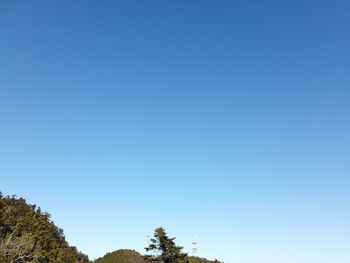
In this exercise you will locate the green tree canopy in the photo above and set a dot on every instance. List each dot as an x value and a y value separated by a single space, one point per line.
121 256
28 235
164 249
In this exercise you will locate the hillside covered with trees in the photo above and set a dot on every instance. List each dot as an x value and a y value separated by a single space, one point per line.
28 235
162 249
121 256
131 256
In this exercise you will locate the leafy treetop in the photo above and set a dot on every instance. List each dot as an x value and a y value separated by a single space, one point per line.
28 235
164 249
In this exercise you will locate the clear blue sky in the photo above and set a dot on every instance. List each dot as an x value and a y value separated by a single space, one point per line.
229 120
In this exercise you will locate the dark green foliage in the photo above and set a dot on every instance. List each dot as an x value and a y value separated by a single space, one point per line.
121 256
131 256
28 235
165 249
201 260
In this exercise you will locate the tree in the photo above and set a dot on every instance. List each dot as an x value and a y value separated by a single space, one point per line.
164 248
28 235
121 256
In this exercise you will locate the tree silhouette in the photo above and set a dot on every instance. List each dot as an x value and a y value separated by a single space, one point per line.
164 249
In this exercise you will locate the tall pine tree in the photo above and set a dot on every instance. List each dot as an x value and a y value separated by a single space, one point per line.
164 249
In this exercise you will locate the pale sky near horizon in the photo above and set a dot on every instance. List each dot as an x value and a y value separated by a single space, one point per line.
229 120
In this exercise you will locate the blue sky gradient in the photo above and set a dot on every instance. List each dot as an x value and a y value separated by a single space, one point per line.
229 120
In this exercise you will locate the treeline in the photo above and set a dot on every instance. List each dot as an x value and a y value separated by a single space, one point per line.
27 234
131 256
